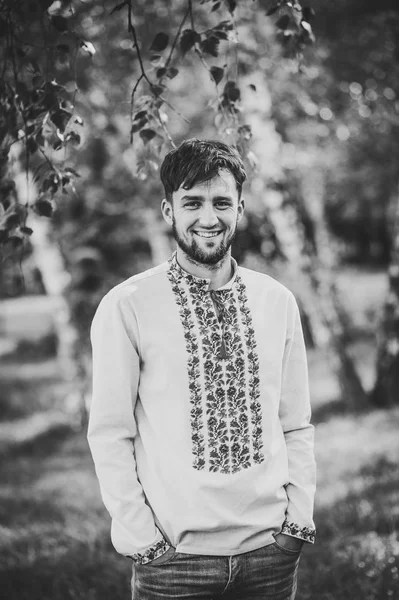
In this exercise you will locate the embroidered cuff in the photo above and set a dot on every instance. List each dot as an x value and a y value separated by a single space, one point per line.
151 553
303 533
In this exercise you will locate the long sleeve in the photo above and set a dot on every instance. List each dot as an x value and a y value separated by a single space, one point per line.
112 429
298 432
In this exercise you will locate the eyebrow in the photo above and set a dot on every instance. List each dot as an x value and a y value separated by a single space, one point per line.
201 198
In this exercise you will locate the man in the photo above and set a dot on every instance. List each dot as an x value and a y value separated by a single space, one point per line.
199 424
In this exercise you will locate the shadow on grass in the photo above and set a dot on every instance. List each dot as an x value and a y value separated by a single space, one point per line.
333 408
338 408
19 399
23 511
356 555
56 543
82 573
43 444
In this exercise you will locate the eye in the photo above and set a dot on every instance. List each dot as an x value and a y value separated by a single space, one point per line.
222 204
193 204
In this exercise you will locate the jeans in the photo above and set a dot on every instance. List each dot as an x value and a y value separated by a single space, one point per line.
269 573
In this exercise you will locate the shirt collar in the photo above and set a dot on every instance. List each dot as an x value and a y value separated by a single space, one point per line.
202 283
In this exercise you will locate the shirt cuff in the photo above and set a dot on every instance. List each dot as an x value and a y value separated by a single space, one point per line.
151 553
307 534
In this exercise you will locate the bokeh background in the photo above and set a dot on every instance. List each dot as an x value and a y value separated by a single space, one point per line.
321 217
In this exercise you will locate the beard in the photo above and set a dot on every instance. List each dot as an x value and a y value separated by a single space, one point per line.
195 253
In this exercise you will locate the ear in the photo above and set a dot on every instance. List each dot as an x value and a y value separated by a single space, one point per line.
167 211
240 209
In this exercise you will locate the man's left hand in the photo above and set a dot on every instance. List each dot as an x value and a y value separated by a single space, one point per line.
289 542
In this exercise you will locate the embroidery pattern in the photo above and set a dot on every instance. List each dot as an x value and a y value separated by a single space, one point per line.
197 436
233 417
256 411
304 533
151 553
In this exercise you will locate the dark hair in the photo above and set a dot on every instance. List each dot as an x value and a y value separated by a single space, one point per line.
196 161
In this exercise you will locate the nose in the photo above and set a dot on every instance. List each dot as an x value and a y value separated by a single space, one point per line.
208 216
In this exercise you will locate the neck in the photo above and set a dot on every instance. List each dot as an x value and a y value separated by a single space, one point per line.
219 274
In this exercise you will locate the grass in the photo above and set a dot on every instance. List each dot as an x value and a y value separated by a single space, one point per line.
54 531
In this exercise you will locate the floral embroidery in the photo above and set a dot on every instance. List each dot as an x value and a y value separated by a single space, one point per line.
304 533
254 381
223 369
197 436
151 553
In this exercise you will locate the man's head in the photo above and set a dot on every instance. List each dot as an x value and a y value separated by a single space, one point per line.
203 183
196 161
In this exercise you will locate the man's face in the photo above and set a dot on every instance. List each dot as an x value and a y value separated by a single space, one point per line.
204 218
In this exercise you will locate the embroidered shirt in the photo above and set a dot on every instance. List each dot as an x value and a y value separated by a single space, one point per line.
200 418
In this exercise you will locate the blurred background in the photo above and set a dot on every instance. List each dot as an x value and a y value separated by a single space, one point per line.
320 138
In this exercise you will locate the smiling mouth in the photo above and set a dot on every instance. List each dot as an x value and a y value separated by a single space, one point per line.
207 234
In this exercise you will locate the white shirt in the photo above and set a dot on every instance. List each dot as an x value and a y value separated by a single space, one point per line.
200 418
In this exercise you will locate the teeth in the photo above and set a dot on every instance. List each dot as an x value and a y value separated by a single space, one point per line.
207 234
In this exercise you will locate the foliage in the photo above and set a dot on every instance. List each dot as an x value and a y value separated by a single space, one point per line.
44 52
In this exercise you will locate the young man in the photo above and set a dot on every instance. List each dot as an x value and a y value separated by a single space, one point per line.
199 425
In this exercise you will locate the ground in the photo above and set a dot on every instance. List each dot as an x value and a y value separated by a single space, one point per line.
54 531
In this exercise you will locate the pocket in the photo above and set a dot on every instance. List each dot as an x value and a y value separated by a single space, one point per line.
287 551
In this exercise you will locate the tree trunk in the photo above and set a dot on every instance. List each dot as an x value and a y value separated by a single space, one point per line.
322 274
48 258
386 388
316 289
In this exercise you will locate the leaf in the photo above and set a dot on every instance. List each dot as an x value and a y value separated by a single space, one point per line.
222 35
137 125
273 8
88 47
252 87
26 230
231 91
188 38
216 6
59 22
78 120
225 25
217 74
231 5
44 208
210 45
60 118
118 7
72 172
172 72
161 72
12 221
160 41
140 115
73 137
147 135
157 89
283 22
308 13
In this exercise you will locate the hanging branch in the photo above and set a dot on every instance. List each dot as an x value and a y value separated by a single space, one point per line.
154 88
